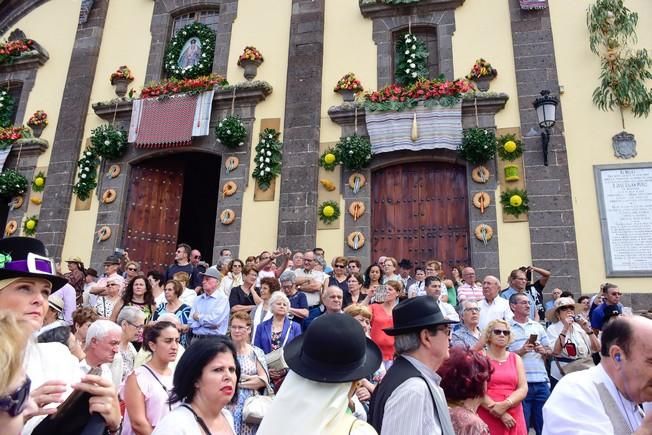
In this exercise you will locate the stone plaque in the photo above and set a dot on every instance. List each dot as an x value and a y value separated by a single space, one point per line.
625 197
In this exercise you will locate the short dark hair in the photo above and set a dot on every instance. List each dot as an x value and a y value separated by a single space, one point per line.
272 283
354 261
92 272
357 276
153 331
567 294
583 298
178 287
192 363
618 332
60 334
186 247
512 298
222 251
82 315
430 279
464 374
608 286
157 275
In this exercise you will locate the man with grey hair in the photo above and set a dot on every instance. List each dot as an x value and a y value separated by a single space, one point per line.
333 297
102 345
298 300
493 307
409 400
297 261
311 282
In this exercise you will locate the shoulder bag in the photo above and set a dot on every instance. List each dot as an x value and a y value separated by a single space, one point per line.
255 407
274 359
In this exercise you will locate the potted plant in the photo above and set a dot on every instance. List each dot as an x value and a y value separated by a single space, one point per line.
478 145
482 73
231 132
250 60
12 183
108 141
354 152
37 122
348 87
10 135
121 79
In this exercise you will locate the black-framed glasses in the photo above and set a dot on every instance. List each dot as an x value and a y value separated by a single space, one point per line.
340 266
132 269
139 327
14 403
504 332
472 309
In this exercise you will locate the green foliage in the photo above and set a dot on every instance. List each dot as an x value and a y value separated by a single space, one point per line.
86 174
353 152
624 71
478 145
6 108
29 229
268 158
329 166
204 66
513 208
411 59
506 155
109 142
39 187
231 132
12 183
335 208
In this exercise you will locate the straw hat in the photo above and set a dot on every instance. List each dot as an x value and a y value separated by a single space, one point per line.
551 314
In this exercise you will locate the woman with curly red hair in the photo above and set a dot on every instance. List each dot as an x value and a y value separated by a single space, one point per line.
464 380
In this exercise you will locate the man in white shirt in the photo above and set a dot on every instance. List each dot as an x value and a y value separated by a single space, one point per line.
311 282
607 399
433 288
493 307
102 345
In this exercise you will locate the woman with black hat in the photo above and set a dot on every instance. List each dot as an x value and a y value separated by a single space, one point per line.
325 364
76 277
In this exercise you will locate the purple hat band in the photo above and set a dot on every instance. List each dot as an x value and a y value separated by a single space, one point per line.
39 266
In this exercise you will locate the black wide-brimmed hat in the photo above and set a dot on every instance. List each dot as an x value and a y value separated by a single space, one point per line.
334 349
416 313
27 257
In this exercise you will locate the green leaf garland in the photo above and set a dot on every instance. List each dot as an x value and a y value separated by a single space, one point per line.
109 142
329 211
506 143
478 145
38 183
329 160
86 174
231 132
515 202
6 108
268 158
411 59
353 152
12 183
30 224
173 53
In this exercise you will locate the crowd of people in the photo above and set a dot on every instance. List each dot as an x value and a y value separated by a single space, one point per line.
286 343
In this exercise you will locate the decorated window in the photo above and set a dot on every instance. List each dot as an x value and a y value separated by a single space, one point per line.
428 37
209 18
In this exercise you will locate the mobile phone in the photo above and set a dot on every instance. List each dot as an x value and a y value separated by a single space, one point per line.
381 293
533 338
119 252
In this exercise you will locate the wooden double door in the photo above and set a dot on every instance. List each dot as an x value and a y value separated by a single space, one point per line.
419 212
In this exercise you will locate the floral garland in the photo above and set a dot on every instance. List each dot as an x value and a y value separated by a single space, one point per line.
11 50
478 145
122 73
29 226
108 141
432 92
329 211
328 159
510 147
6 108
38 183
10 135
353 152
268 158
173 86
412 59
201 66
515 202
87 174
12 183
38 119
250 54
349 83
481 69
231 132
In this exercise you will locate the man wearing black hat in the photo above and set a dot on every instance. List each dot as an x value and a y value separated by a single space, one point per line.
404 269
409 400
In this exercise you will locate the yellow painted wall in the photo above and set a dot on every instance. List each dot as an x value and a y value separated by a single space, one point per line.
269 32
348 47
588 131
474 39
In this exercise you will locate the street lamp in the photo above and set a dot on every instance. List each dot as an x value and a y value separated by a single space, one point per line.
546 106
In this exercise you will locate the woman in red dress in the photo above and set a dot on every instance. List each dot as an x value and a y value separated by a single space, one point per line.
382 318
501 408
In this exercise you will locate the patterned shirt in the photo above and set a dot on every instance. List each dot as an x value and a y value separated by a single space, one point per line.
463 336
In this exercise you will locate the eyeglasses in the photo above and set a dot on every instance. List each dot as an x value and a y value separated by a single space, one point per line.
501 332
139 327
340 266
14 403
198 257
523 303
615 294
237 265
132 269
239 328
445 329
473 309
112 284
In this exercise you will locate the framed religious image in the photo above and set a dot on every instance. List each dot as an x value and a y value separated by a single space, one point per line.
190 54
624 195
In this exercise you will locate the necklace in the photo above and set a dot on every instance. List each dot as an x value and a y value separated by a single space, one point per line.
498 360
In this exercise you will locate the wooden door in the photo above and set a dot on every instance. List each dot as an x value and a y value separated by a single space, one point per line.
153 210
419 212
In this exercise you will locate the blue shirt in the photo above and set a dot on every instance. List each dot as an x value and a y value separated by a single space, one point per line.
463 336
600 313
533 303
213 313
535 367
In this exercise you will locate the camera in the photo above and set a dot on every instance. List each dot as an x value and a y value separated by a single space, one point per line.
577 318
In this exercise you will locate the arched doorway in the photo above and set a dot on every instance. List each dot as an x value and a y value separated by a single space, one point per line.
419 211
172 199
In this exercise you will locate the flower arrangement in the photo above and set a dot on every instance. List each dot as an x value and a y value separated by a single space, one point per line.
250 54
38 183
231 132
6 108
190 52
412 59
514 201
432 92
353 152
349 83
509 147
10 135
481 69
12 183
178 86
122 73
109 142
86 174
268 158
478 145
11 50
329 211
328 159
29 226
38 119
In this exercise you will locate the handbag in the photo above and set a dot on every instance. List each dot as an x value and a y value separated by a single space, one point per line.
255 407
274 359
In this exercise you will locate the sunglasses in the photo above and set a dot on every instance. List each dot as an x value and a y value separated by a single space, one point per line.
132 269
501 332
340 266
14 403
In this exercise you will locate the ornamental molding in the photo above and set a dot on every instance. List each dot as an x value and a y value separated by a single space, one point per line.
379 9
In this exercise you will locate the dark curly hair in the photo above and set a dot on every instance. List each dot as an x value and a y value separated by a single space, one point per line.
128 295
464 374
272 283
367 278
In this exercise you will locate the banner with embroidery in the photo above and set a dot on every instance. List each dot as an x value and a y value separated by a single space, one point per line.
166 123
